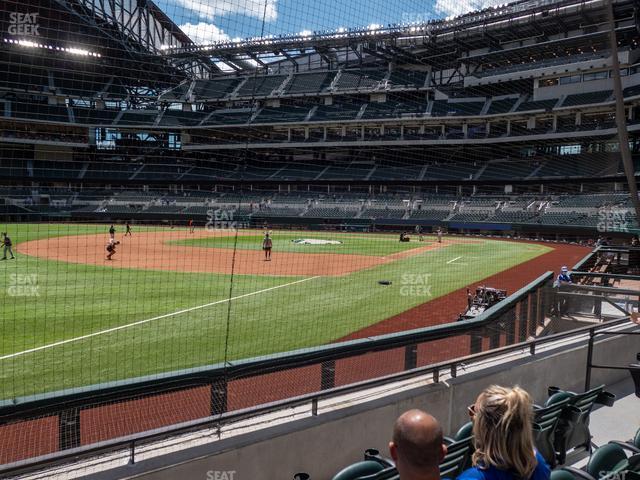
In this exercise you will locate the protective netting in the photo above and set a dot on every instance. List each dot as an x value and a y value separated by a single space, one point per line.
195 192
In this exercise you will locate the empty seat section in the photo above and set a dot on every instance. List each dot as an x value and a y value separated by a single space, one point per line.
214 89
94 117
260 86
138 117
501 106
176 118
282 114
39 111
407 78
537 105
310 82
586 98
225 117
336 112
24 77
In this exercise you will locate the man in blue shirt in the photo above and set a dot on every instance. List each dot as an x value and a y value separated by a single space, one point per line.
565 277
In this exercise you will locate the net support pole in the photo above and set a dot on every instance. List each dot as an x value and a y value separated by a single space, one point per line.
621 123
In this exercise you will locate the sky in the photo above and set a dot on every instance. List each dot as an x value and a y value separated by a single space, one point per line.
206 21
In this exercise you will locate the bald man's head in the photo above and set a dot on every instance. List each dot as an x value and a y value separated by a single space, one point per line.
417 440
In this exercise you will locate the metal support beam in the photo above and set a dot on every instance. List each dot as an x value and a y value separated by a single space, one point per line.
623 135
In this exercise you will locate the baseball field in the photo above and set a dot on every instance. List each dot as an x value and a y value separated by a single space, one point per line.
171 299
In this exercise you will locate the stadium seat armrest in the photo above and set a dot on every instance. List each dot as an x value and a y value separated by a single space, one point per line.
576 472
627 446
631 475
448 440
386 474
571 413
552 390
606 398
374 455
634 463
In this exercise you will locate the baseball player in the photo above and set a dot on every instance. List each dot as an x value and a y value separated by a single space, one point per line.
419 233
192 226
439 232
111 248
267 244
112 233
128 232
6 243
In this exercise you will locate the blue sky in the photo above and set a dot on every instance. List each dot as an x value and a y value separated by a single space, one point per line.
209 20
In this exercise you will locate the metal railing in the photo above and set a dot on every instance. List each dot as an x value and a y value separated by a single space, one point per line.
509 322
633 369
509 326
132 443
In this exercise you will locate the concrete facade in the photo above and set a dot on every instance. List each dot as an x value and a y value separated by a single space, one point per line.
322 445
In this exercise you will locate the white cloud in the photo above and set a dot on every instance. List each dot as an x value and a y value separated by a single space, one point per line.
458 7
209 9
204 33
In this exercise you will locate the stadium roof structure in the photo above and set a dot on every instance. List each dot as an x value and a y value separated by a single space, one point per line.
122 33
422 43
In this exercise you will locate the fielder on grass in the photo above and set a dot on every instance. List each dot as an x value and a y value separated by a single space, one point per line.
6 246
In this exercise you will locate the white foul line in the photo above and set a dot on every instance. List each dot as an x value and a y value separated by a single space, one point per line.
140 322
450 261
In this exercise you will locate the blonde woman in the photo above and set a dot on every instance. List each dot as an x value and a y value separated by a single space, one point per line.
503 437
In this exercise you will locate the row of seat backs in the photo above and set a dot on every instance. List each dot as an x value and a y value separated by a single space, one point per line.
610 458
608 462
562 423
376 467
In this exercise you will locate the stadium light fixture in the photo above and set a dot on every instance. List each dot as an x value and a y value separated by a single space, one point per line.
71 50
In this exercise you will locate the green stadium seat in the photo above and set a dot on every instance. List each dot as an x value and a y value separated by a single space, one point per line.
464 432
573 433
457 459
374 455
632 446
545 423
562 474
609 462
359 471
376 467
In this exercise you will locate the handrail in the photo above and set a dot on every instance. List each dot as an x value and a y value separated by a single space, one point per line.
593 332
85 396
619 276
586 259
132 441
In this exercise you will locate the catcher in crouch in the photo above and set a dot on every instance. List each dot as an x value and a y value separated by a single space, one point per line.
111 248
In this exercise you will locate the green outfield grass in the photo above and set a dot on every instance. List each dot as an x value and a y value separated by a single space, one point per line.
273 314
352 243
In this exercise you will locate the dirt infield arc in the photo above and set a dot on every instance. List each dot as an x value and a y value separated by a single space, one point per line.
154 251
